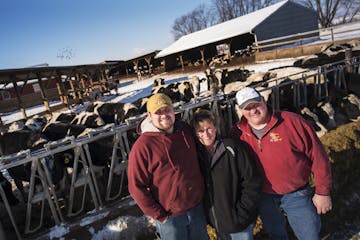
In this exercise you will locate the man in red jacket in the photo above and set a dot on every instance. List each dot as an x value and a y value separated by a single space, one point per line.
288 151
164 174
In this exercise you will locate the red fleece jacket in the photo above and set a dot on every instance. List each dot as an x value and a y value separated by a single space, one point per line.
288 152
164 174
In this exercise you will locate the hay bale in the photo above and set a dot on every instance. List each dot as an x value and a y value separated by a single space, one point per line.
343 147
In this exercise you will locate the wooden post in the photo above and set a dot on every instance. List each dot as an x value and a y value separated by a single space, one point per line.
83 84
43 95
72 86
256 42
202 52
65 93
136 64
181 62
348 56
148 61
77 86
229 52
20 103
61 90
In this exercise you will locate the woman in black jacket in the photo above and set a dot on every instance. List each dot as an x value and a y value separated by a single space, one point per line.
233 184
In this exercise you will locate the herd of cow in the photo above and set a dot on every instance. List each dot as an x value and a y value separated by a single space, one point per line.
337 108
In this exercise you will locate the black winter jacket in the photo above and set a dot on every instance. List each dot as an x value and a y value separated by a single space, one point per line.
233 186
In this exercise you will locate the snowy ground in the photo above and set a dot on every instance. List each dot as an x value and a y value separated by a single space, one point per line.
125 227
130 90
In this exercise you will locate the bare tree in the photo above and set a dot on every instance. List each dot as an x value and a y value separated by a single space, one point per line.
334 11
349 11
65 53
229 9
196 20
329 12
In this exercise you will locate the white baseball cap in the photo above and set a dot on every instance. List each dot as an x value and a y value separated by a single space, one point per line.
246 96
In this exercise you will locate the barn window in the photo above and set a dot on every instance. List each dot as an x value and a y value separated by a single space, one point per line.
36 87
223 49
5 95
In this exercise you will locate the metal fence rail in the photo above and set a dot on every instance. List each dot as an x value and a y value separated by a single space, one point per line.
334 33
117 165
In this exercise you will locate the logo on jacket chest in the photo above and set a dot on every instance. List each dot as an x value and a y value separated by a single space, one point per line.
275 137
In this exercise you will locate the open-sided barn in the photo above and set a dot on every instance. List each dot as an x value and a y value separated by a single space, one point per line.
228 38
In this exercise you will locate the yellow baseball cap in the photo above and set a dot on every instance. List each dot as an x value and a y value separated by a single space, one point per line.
157 101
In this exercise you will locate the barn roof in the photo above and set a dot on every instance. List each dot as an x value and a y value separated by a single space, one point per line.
23 74
221 31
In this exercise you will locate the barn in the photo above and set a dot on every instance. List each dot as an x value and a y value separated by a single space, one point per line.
25 87
234 36
143 65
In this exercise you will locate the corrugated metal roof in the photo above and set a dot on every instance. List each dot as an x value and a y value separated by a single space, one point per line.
221 31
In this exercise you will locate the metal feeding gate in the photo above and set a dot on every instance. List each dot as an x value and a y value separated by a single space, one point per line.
83 172
79 183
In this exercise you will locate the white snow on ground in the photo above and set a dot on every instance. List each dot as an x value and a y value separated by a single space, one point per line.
125 227
10 117
58 231
128 227
132 89
87 220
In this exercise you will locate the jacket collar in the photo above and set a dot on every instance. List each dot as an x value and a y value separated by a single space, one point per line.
219 151
246 128
145 125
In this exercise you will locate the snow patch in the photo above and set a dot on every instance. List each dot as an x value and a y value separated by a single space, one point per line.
58 232
88 220
126 227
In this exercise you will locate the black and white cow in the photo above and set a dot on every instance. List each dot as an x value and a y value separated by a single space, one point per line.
64 117
6 185
313 119
88 119
159 82
172 90
140 104
16 141
221 77
113 112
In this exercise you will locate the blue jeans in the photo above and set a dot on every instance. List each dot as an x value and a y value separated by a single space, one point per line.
299 209
246 234
189 226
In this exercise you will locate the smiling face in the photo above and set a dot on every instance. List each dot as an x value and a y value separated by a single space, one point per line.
163 119
256 114
206 133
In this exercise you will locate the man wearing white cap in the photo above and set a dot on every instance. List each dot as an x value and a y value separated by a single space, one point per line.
288 152
164 173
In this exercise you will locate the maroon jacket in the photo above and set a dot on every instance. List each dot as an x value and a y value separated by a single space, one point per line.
288 152
164 174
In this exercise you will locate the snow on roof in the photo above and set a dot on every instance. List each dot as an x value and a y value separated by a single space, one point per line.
225 30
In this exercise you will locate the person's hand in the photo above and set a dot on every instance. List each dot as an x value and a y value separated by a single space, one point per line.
165 220
322 203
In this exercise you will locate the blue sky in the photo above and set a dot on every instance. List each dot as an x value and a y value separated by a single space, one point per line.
37 31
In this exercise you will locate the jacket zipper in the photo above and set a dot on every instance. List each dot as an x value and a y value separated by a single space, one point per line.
259 144
259 139
214 216
211 193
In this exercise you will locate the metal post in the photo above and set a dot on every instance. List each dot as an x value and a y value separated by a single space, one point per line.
7 206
